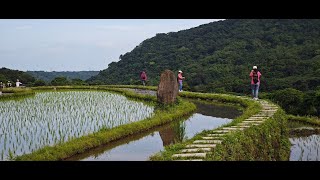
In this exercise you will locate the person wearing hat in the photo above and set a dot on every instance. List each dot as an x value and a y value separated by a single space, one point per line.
180 78
255 76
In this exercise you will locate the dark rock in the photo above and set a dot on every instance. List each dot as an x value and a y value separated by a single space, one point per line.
167 88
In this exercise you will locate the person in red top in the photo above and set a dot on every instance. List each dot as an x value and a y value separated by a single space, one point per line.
143 77
255 82
180 78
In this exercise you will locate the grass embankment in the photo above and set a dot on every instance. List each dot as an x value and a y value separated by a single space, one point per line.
305 120
162 115
303 126
154 88
14 93
268 141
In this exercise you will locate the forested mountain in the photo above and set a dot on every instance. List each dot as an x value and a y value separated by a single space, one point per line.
218 56
49 76
12 75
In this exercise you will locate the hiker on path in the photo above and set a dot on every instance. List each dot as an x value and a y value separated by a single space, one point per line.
143 77
255 76
180 78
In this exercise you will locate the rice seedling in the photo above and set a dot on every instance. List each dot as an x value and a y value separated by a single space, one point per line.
56 117
305 148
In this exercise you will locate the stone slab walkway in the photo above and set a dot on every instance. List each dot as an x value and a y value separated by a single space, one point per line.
198 150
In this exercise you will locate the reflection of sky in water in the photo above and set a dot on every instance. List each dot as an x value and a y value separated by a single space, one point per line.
305 148
198 122
139 150
142 149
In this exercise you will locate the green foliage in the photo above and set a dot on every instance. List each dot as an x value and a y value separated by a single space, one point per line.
218 57
49 76
78 82
266 142
16 93
297 102
60 81
251 107
290 99
12 75
304 119
39 82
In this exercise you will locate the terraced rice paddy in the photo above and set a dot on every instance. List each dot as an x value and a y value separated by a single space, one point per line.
53 117
305 148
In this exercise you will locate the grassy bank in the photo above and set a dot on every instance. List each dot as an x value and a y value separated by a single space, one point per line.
305 120
251 107
268 141
162 115
16 93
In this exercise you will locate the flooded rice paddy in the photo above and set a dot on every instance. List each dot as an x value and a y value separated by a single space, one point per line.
50 118
141 146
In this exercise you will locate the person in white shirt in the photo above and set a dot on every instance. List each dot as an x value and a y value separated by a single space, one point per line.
18 83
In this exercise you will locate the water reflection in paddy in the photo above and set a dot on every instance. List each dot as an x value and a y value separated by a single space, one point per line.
141 146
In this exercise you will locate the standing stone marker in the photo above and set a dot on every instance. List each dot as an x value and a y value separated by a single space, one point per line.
167 88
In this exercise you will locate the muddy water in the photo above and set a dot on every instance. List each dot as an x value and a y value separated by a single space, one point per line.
140 147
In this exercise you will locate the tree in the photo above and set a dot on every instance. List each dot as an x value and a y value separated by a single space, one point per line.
39 82
289 99
60 81
78 82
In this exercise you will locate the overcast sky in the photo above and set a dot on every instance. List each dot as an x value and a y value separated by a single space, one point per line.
77 44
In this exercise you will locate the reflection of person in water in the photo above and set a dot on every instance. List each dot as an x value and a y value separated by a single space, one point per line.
174 133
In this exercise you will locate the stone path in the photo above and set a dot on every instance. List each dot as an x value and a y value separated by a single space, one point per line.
199 148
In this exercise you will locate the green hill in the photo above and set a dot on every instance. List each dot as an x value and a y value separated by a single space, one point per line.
12 75
218 56
49 76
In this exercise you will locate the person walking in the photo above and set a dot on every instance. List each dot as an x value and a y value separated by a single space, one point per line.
180 78
1 87
143 77
255 76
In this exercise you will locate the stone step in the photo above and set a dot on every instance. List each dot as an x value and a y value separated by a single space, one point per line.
213 137
251 124
196 150
259 115
207 141
270 106
201 146
256 117
260 119
268 114
221 131
233 129
203 155
252 121
268 110
216 135
240 126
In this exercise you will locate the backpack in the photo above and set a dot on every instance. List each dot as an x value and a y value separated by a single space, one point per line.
255 77
143 76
